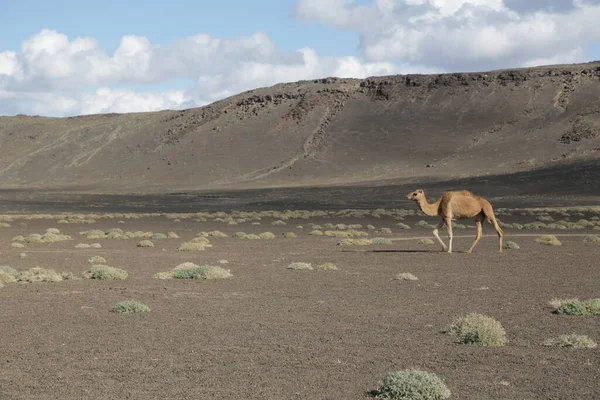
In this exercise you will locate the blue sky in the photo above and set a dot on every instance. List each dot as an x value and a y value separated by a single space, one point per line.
163 22
67 57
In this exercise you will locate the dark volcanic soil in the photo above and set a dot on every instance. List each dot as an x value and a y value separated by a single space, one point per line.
273 333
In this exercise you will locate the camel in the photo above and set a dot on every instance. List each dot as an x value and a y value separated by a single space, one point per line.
457 205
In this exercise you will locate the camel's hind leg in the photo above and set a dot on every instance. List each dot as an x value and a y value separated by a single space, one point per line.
479 222
500 234
449 226
437 234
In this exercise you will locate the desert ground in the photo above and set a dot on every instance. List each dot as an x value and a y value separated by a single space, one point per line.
270 332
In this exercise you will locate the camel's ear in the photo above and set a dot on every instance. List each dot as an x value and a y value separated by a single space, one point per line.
420 190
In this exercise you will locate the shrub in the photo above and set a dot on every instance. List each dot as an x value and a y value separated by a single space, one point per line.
4 225
413 384
172 235
385 231
380 240
402 225
96 260
201 240
370 227
426 241
591 239
278 222
424 224
405 276
478 330
187 271
549 240
355 242
316 233
510 245
38 274
239 235
267 236
289 235
17 245
104 272
145 243
300 266
156 236
327 267
8 274
18 238
571 340
130 306
578 307
189 246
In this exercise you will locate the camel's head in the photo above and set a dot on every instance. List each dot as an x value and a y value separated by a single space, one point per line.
416 195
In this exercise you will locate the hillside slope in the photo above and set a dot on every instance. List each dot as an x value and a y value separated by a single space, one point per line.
326 132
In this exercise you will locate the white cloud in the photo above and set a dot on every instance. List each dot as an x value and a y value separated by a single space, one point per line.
55 75
464 35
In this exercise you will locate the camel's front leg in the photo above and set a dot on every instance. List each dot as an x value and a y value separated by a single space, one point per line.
449 225
437 235
479 222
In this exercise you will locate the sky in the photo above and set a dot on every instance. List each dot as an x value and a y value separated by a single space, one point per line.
74 57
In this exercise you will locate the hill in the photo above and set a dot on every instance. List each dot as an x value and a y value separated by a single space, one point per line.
391 130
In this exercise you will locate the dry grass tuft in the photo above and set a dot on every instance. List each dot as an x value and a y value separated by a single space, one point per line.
549 240
327 267
189 246
289 235
96 260
355 242
145 243
300 266
405 276
38 274
426 241
267 236
592 239
571 340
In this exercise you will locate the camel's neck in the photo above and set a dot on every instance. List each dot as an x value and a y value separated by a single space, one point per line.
428 209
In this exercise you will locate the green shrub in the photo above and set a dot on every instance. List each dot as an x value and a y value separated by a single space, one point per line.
267 236
578 307
381 241
426 241
96 260
130 306
413 385
510 245
402 225
478 330
187 271
145 243
316 233
289 235
157 236
384 231
104 272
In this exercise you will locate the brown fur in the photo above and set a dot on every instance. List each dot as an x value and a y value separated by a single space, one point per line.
456 205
